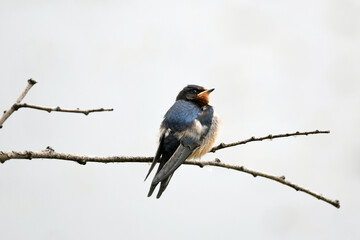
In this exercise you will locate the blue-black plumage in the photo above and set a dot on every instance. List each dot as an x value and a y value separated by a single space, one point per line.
189 130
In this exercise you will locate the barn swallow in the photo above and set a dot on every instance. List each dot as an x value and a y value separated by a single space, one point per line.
189 130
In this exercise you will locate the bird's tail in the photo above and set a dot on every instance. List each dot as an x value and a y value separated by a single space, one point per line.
163 185
152 188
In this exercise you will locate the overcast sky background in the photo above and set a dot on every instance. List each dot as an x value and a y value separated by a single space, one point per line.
277 67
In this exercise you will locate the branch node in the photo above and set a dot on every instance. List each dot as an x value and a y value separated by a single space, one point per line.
15 106
49 149
217 160
2 160
32 81
282 177
200 164
57 108
82 162
29 155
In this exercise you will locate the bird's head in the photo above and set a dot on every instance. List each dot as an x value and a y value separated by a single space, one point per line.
195 93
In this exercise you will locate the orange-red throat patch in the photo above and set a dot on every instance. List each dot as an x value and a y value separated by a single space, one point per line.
204 96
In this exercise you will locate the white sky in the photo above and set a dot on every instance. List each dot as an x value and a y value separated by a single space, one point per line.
277 66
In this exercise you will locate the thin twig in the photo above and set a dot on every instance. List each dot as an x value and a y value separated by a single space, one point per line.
17 105
58 109
281 179
7 114
270 137
49 153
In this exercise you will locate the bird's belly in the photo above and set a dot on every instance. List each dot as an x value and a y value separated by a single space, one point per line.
209 141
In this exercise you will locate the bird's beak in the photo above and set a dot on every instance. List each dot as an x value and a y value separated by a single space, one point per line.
210 90
206 92
204 95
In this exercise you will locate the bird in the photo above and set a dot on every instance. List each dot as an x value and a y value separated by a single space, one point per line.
189 130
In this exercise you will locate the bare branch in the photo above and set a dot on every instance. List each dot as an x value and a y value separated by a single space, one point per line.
281 179
8 113
17 105
270 137
49 153
58 109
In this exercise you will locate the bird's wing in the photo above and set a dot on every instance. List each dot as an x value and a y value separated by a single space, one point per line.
190 139
178 118
180 155
157 155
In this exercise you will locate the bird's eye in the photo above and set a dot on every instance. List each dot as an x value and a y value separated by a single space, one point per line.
195 91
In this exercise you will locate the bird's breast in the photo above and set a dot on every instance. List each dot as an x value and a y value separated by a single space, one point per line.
209 139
